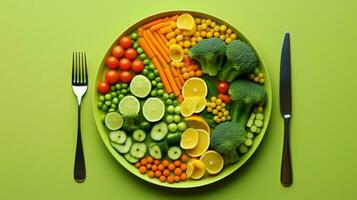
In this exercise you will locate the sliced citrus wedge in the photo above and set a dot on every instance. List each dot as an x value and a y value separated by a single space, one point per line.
189 139
199 169
185 22
198 122
176 52
201 104
188 107
213 161
202 145
194 87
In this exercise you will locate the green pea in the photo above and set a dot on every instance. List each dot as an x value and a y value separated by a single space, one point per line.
253 129
113 94
258 123
160 92
101 98
108 103
243 149
151 76
165 96
135 45
153 93
112 88
250 135
175 103
108 97
118 92
248 142
115 100
134 36
105 108
113 105
151 66
121 96
124 91
158 79
168 101
259 116
142 56
153 83
177 118
139 50
172 96
156 72
100 104
159 85
145 72
111 110
146 61
118 86
256 71
124 85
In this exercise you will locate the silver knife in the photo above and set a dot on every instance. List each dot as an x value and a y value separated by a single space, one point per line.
286 177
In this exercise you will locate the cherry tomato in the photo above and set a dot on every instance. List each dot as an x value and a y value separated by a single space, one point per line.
130 54
112 76
137 66
118 51
112 62
222 87
103 87
125 42
225 98
125 76
124 64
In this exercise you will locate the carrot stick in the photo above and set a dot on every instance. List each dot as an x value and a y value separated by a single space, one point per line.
163 38
186 61
165 19
162 43
163 77
158 26
182 81
140 31
162 61
178 83
150 43
146 47
180 98
174 18
150 24
157 46
165 29
174 72
172 81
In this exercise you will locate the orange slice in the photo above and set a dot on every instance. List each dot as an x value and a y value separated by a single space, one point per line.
176 52
194 87
202 145
188 107
189 139
213 161
198 122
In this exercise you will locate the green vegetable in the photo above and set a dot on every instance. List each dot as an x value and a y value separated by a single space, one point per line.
211 83
101 98
231 157
139 135
145 125
118 137
174 152
123 148
142 56
245 95
173 138
210 53
130 158
138 150
131 123
139 50
241 59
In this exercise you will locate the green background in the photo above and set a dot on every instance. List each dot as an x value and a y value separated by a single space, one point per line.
38 120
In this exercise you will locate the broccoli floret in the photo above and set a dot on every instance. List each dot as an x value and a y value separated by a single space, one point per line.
241 59
134 122
245 94
227 137
210 53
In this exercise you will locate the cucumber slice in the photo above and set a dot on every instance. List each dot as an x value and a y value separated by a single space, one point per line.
118 137
138 150
140 86
130 158
158 150
159 131
113 121
122 148
139 135
174 152
173 139
129 105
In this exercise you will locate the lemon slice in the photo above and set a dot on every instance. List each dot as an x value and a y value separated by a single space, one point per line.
194 87
189 139
188 107
198 122
202 145
201 104
213 161
189 169
199 169
185 22
176 52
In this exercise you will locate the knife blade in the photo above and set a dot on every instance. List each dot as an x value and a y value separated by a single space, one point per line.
285 109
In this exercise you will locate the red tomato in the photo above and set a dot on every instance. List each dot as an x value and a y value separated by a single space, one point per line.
225 98
124 64
137 66
222 87
118 51
112 76
112 62
125 42
103 87
130 54
125 76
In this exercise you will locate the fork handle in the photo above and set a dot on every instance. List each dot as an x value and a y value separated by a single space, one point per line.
79 163
286 177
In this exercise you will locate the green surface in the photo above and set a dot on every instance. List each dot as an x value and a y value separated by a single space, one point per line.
38 118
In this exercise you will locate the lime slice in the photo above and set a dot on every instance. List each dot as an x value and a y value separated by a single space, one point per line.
153 109
140 86
129 105
113 121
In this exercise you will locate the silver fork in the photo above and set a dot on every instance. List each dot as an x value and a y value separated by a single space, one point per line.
79 86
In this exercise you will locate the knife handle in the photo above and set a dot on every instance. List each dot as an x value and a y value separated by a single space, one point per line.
286 176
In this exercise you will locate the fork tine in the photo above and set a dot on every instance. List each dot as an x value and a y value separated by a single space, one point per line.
82 69
73 75
86 69
77 68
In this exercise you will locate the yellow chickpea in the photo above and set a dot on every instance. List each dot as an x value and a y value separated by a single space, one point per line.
223 28
173 25
208 22
209 35
179 37
215 118
187 44
170 35
216 28
213 24
173 64
229 31
204 26
197 33
214 111
262 81
193 43
223 105
219 108
213 104
180 43
168 44
229 118
208 29
197 20
261 75
203 21
187 38
199 39
227 35
209 109
178 31
223 119
256 79
222 37
225 113
223 110
228 40
233 36
199 27
214 99
203 34
193 39
216 34
220 114
218 120
173 41
219 101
